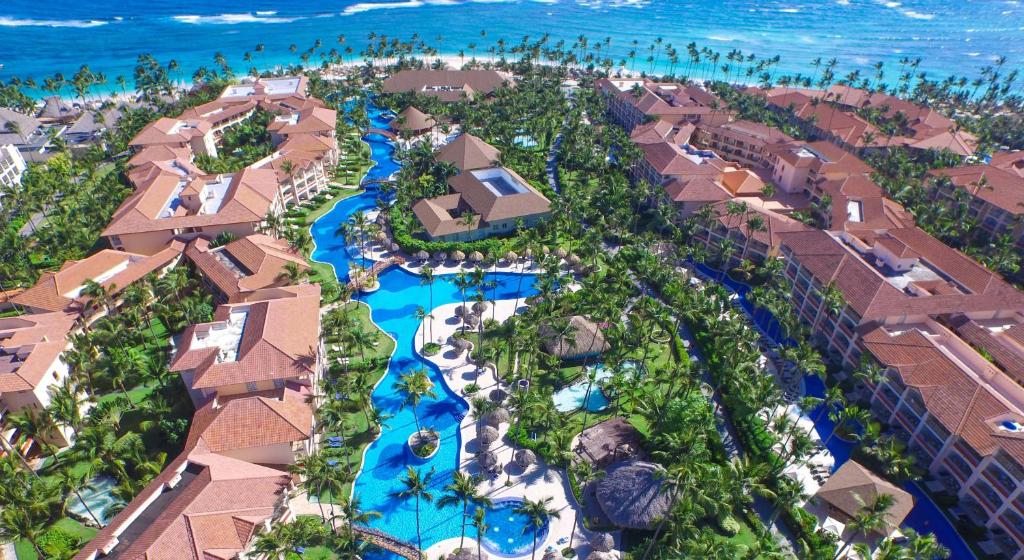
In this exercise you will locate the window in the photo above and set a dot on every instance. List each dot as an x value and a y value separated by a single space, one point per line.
251 387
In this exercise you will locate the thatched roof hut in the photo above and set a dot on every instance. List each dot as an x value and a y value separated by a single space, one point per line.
497 416
528 252
583 339
458 255
853 485
462 344
511 256
479 307
422 255
545 250
602 542
471 320
487 434
476 256
612 440
413 120
488 460
601 555
524 458
460 310
560 253
395 247
440 256
380 236
574 259
631 495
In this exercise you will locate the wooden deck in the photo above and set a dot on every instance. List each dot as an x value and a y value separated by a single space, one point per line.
383 540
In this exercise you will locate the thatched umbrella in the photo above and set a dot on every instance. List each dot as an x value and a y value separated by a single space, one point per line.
574 259
395 247
461 344
476 256
560 253
631 495
497 416
471 320
524 458
511 256
488 460
545 250
440 256
602 542
422 255
600 555
458 255
479 307
487 434
467 553
498 395
553 555
528 252
579 268
460 310
380 236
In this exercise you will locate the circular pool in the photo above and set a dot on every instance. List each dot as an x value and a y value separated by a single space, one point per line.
509 533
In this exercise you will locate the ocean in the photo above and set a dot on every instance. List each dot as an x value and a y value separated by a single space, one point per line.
38 38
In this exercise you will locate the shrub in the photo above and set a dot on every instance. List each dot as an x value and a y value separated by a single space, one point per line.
729 525
430 349
57 542
471 389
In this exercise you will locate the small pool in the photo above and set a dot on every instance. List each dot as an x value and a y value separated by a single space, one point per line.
510 533
572 397
99 496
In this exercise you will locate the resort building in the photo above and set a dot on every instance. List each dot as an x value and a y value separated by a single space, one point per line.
27 134
174 202
833 116
659 131
195 135
30 363
114 271
447 85
961 414
664 162
303 164
234 271
581 340
851 488
856 203
753 232
203 505
611 441
314 121
12 167
269 339
845 282
412 122
745 142
632 102
486 199
88 129
57 111
994 192
797 166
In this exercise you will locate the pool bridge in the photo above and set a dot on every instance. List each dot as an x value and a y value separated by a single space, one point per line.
356 282
387 133
380 539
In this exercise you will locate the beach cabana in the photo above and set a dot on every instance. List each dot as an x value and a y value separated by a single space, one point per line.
525 457
468 553
487 460
853 486
413 121
487 434
631 495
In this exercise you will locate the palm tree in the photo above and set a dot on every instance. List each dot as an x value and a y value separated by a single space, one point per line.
463 490
539 513
427 279
72 483
585 473
354 514
924 546
870 517
22 523
481 526
417 486
415 385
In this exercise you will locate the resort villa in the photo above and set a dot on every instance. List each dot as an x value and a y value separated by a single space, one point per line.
995 192
234 271
267 341
447 85
838 502
30 363
486 199
754 231
412 122
12 167
745 142
632 102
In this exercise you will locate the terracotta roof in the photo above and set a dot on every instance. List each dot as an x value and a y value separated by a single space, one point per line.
54 291
279 340
251 420
413 119
774 224
698 189
29 345
170 132
1009 161
852 486
310 121
825 158
250 263
443 215
218 111
999 187
662 131
469 152
668 159
446 85
492 206
875 210
753 131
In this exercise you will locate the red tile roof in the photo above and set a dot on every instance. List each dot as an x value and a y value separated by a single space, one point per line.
252 420
29 346
1001 188
253 262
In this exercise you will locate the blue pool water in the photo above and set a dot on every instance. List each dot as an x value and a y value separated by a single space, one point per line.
510 533
98 496
393 308
574 397
925 517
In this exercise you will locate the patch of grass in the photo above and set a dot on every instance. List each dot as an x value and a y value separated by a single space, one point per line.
24 551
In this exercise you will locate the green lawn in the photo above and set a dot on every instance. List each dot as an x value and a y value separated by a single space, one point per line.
24 549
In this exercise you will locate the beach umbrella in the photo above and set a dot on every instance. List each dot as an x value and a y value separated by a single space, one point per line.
545 250
511 256
395 247
468 553
471 320
579 269
458 255
381 236
487 434
560 253
461 344
600 555
422 255
476 256
528 252
496 416
440 256
574 259
479 307
488 460
460 310
602 542
524 458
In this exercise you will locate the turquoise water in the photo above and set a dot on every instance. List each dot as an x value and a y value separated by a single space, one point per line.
393 308
952 37
510 533
575 397
99 497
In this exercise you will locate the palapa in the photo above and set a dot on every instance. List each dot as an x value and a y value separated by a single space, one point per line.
525 457
487 434
476 256
488 460
511 256
600 555
467 553
422 255
479 307
458 255
560 253
603 542
631 495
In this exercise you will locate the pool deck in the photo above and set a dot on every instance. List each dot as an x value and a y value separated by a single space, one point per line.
537 481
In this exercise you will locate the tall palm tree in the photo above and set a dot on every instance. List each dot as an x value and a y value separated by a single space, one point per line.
463 490
21 523
539 513
870 517
354 514
416 487
415 385
585 473
481 526
427 274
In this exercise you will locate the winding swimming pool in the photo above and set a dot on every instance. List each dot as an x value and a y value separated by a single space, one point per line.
393 308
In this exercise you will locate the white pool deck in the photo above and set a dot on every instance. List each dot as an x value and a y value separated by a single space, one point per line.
537 481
